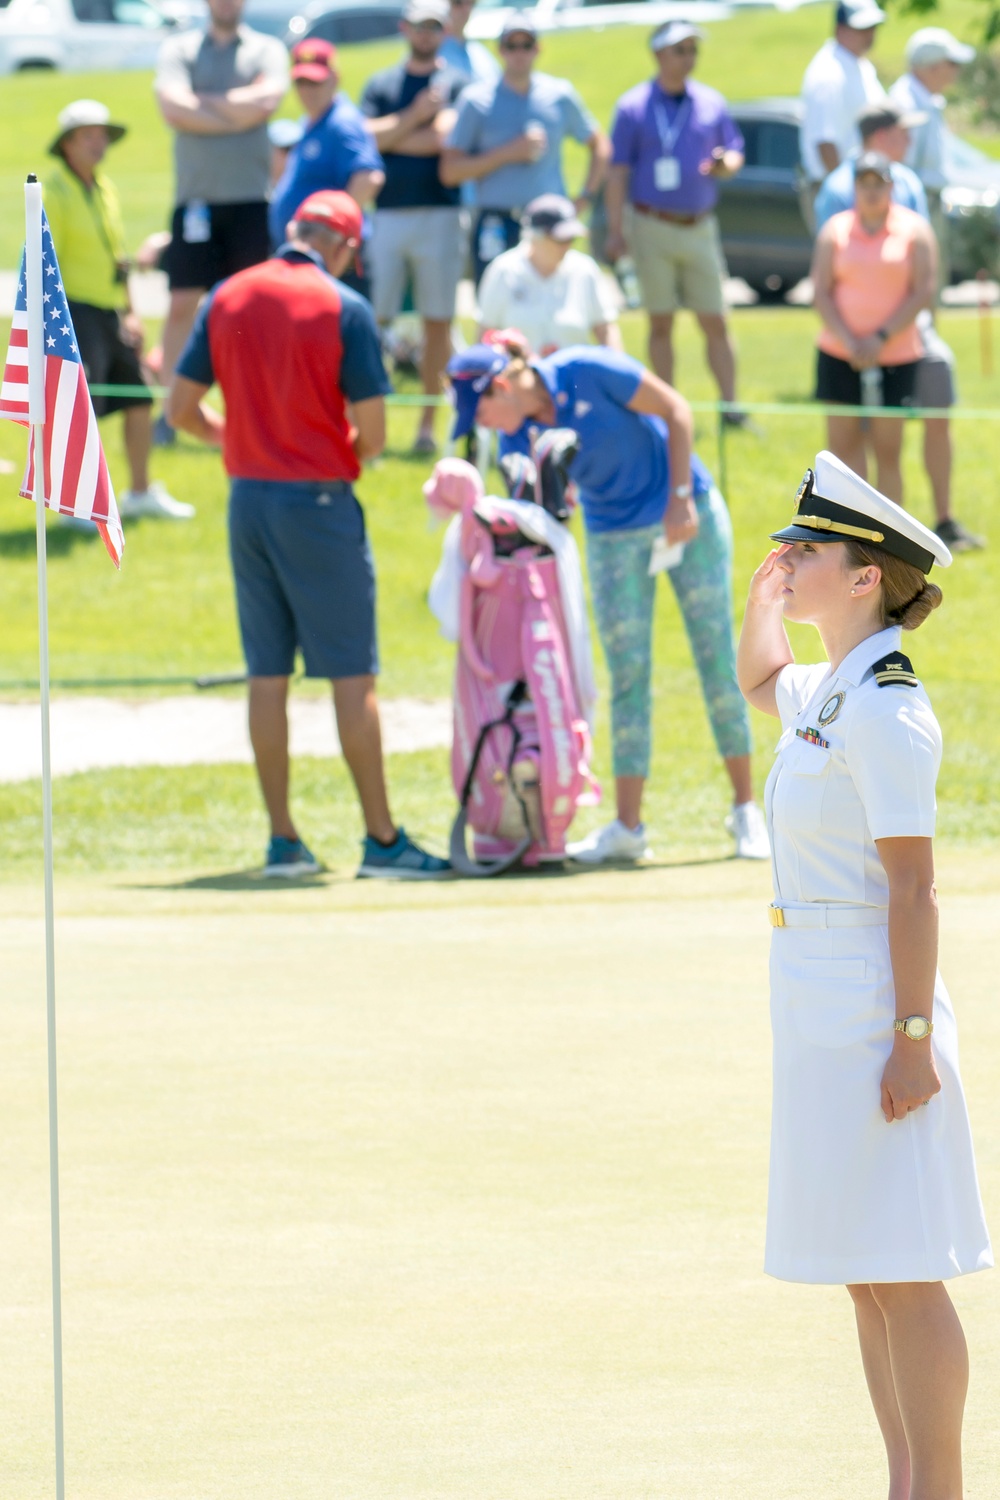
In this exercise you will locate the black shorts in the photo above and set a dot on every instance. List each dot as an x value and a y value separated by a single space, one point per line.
107 359
238 238
838 381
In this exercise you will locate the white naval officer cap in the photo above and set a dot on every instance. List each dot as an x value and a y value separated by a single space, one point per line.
834 503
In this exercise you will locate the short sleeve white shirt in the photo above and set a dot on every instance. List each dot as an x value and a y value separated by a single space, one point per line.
835 87
928 151
553 312
856 762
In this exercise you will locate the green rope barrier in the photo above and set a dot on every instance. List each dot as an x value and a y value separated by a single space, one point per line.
751 408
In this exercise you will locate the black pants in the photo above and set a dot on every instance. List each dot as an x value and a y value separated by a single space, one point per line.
495 230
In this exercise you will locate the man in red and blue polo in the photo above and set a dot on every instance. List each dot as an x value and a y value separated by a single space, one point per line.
296 355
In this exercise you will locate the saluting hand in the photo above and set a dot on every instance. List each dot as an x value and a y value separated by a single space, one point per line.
768 581
910 1078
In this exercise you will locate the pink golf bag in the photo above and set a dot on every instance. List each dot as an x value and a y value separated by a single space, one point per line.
509 589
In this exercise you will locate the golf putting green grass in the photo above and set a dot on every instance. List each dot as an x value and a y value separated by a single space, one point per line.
433 1193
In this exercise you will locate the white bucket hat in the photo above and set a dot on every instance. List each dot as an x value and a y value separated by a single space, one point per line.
84 112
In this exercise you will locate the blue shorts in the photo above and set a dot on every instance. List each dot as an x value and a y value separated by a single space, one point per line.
304 578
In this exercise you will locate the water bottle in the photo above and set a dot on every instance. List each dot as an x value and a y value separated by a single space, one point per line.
492 240
871 386
628 280
196 228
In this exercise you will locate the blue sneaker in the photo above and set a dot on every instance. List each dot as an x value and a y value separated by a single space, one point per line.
403 860
289 858
164 435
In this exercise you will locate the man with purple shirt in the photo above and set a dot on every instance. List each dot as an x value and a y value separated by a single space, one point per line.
673 140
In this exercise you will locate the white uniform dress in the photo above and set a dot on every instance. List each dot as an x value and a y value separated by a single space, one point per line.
853 1198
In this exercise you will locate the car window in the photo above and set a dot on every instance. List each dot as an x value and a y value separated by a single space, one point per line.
93 10
136 13
771 144
343 27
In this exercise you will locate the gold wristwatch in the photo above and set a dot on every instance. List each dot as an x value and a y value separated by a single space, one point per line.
915 1027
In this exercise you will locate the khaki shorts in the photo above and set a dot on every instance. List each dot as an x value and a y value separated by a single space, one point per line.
679 265
422 244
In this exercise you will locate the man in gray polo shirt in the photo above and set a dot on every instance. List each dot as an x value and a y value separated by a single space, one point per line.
508 138
216 89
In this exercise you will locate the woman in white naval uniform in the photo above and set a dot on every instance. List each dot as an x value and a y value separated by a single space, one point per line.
868 1187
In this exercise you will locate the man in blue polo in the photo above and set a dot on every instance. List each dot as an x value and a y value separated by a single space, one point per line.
335 151
673 142
296 354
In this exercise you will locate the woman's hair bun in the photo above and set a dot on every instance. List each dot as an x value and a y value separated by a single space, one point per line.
919 607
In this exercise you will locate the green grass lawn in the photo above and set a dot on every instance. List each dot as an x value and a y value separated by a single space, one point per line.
169 614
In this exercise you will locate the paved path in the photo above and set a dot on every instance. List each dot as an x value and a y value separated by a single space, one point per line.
90 733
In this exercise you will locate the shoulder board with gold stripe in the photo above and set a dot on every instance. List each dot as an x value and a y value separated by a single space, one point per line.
897 669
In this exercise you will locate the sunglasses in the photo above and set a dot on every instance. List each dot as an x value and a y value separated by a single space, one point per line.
684 51
518 46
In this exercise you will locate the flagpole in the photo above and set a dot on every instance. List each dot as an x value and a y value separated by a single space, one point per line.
36 419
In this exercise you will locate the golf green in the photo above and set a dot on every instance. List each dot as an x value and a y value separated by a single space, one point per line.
433 1193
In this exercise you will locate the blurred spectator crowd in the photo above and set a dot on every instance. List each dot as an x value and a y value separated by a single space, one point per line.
455 158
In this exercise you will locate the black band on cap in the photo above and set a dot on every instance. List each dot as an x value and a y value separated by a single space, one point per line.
811 504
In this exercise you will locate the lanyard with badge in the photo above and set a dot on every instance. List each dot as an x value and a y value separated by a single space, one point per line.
666 168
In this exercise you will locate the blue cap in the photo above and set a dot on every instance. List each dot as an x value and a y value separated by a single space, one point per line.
470 373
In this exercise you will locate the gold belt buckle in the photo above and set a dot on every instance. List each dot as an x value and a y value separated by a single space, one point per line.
776 915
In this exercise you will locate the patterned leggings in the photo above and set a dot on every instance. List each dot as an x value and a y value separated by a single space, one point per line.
624 594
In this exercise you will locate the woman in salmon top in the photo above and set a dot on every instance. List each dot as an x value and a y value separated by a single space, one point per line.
874 269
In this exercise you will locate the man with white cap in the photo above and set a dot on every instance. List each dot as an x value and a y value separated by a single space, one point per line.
82 209
838 83
934 59
673 140
416 234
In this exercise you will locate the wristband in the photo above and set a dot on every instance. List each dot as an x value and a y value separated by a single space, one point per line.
682 491
882 334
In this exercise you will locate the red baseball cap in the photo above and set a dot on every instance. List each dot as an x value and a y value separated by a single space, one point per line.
314 59
337 210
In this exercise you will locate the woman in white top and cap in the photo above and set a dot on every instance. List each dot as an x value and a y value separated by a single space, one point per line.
873 1179
552 293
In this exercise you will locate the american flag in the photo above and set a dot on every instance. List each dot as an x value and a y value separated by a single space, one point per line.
77 482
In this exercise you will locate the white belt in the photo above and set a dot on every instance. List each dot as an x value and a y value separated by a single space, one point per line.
817 915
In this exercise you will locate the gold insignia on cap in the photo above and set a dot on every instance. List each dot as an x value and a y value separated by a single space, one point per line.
805 488
823 523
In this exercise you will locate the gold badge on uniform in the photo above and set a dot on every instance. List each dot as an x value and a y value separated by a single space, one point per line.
831 708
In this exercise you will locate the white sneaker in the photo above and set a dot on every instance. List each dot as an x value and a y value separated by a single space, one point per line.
749 831
612 843
154 501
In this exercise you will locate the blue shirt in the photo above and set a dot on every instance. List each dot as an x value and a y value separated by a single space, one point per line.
490 114
837 192
622 469
475 63
332 149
